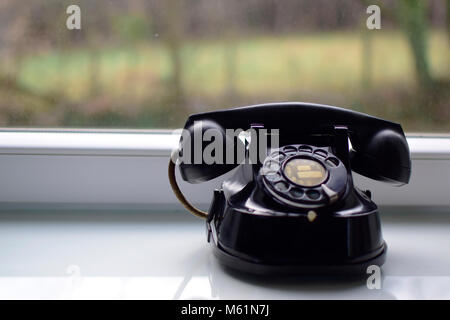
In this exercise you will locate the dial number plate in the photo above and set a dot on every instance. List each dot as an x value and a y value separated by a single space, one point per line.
305 172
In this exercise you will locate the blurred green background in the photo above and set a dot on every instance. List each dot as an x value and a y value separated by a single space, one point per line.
148 64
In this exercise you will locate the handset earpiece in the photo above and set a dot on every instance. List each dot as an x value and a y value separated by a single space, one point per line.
206 151
384 156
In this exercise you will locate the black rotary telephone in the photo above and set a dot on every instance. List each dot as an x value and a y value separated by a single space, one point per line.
294 208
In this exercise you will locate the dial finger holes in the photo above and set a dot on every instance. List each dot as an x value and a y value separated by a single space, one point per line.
296 193
313 194
281 186
332 162
272 165
278 156
320 153
290 149
272 176
305 149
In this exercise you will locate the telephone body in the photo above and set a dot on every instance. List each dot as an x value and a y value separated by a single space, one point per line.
297 211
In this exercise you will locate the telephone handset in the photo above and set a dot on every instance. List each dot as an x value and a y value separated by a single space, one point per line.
290 205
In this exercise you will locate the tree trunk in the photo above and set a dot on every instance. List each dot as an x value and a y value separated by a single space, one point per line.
412 14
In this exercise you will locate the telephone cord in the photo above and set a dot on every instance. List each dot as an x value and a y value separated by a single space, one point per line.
176 189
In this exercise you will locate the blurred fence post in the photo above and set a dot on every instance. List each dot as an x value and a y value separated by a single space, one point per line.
366 58
230 66
174 45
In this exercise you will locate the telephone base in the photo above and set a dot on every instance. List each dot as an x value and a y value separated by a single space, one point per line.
357 268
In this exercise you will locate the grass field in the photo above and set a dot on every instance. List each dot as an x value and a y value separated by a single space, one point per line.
271 67
330 61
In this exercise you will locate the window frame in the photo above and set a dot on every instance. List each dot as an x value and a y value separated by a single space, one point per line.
92 169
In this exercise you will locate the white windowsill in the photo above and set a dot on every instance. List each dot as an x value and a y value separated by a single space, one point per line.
162 256
133 255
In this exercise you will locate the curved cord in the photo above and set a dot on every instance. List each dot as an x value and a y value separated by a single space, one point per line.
176 189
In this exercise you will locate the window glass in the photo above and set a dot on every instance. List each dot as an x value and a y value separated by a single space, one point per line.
150 63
